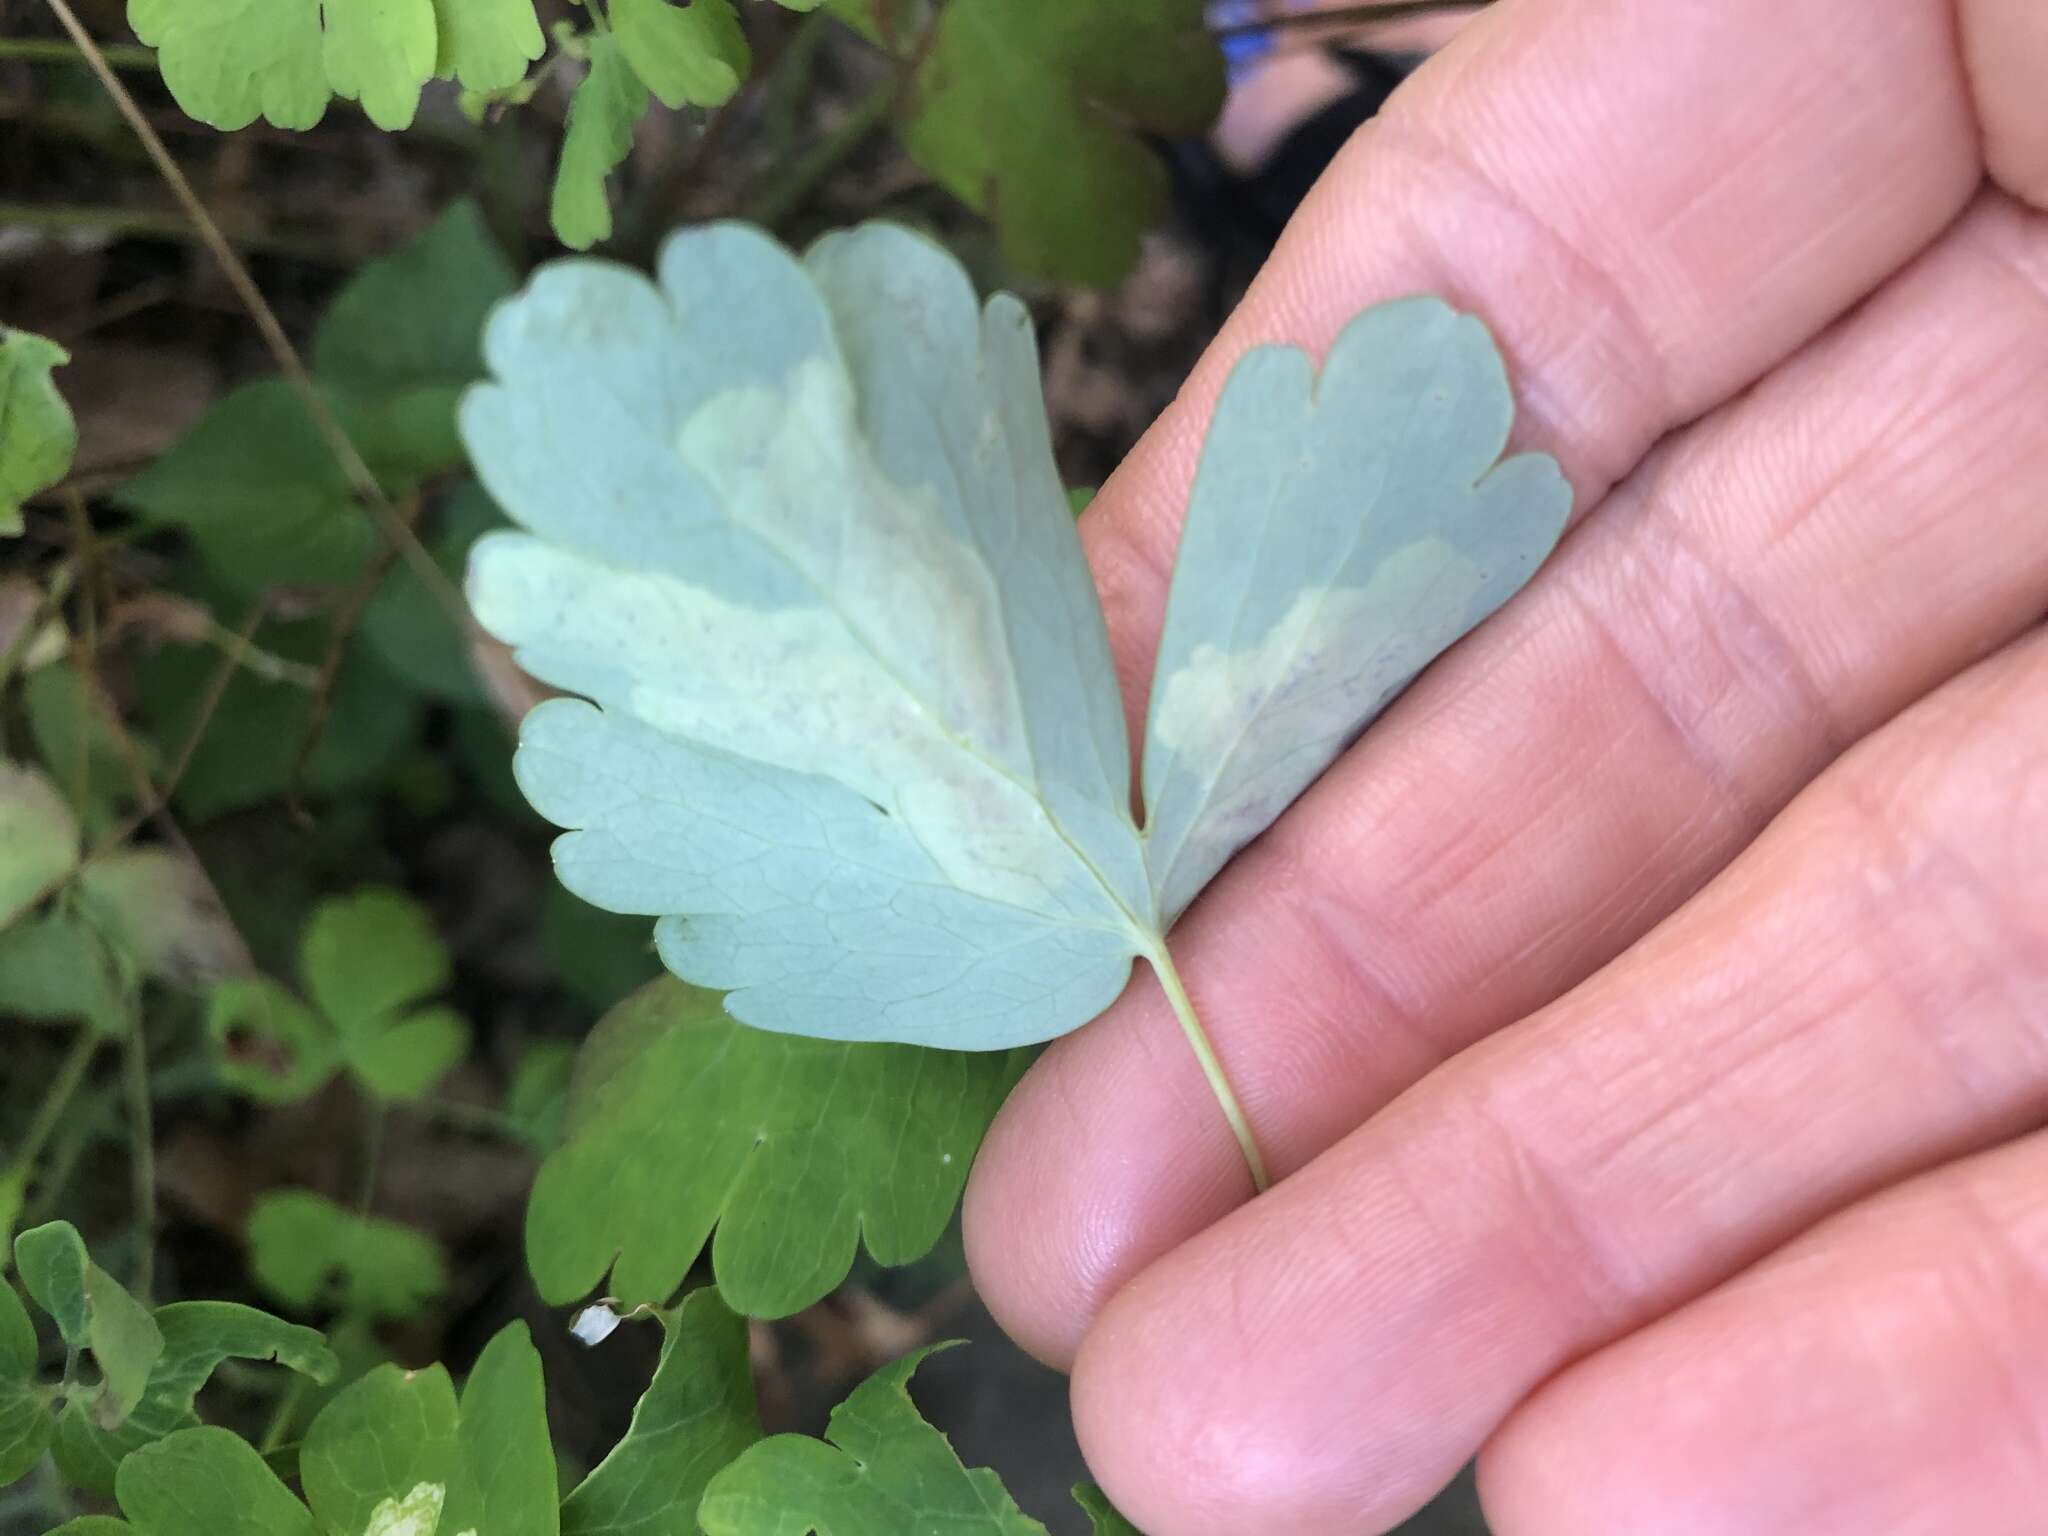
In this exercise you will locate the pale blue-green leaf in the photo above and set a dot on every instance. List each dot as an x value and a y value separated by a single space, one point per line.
906 810
695 1417
1344 530
505 1473
885 1472
380 1456
198 1336
208 1482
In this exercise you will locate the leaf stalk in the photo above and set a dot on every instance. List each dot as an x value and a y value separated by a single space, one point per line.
1212 1067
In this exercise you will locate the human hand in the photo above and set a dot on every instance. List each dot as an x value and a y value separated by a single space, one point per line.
1649 1018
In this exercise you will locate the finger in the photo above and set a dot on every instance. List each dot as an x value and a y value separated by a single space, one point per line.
1863 994
2005 47
1650 210
1648 205
1887 1374
1782 578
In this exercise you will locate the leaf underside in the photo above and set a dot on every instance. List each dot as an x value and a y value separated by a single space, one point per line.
848 725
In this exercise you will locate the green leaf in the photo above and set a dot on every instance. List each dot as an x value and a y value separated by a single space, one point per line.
256 489
228 62
885 1472
93 1312
25 1419
537 1098
266 1043
78 737
695 1417
38 839
1031 111
888 800
599 955
309 1253
608 102
1102 1516
37 433
505 1483
198 1336
383 1453
368 959
406 628
207 1482
796 1150
157 908
56 968
93 1525
369 955
252 738
1345 529
690 55
486 44
380 52
888 797
401 338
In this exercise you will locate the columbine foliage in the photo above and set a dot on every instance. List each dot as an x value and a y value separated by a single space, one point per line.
1029 111
864 758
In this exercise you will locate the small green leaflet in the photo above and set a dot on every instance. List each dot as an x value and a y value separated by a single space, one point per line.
848 724
796 1150
885 1472
197 1337
308 1252
228 62
1031 111
370 963
609 100
37 433
92 1311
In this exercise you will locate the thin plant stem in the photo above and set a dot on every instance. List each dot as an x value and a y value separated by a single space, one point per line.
50 50
142 1153
1198 1039
50 1113
279 1428
811 170
290 364
373 1156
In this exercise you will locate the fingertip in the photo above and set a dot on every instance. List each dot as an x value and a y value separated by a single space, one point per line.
1106 1155
2005 52
1015 1252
